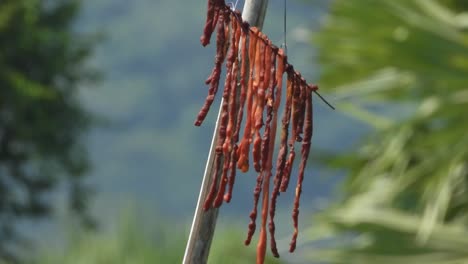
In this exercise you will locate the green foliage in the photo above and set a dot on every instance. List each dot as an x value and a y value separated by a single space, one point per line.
137 243
365 230
42 62
407 188
228 247
129 242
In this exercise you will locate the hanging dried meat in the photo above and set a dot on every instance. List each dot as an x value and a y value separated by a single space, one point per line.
252 96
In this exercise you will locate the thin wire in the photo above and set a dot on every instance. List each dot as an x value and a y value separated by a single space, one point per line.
324 100
285 46
284 28
233 5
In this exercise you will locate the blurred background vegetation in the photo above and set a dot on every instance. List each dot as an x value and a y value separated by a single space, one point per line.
402 68
98 97
42 64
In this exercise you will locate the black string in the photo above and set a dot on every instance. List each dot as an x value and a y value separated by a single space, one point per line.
324 100
284 28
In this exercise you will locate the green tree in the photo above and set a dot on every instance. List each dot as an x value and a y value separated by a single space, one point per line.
401 67
42 64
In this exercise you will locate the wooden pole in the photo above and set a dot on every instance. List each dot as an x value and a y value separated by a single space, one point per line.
204 223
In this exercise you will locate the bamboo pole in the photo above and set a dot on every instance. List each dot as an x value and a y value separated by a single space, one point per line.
204 223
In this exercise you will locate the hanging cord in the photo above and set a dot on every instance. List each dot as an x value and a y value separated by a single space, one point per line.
285 47
324 100
233 5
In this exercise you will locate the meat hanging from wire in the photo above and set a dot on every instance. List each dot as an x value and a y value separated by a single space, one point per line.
252 95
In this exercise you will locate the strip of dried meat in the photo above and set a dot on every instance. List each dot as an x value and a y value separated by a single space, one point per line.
222 129
209 25
229 96
308 127
244 146
216 73
277 181
234 108
268 146
283 163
